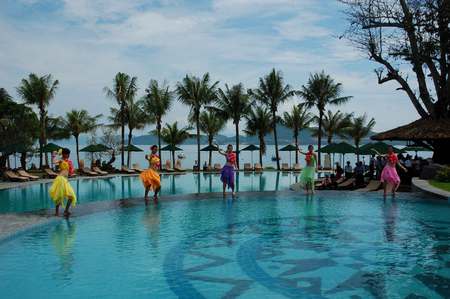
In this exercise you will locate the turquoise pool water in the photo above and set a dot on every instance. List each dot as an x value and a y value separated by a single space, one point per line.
35 197
335 245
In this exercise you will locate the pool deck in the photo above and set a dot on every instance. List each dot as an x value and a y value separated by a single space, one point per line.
425 186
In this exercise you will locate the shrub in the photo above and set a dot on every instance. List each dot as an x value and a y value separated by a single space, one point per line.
443 175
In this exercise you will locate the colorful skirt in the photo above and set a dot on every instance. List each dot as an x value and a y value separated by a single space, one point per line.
151 179
60 190
227 176
307 176
389 175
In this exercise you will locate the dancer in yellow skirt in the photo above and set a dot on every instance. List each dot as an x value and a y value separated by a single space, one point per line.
150 177
61 189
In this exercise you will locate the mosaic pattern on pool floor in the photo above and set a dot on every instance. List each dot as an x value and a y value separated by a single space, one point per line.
309 258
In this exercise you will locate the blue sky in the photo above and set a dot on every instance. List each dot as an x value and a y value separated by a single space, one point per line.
84 43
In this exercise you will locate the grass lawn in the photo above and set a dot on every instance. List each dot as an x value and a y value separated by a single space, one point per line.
440 185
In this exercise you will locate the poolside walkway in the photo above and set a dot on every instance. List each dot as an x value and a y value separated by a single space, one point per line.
425 186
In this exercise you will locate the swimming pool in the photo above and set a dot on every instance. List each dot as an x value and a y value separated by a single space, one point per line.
335 245
35 197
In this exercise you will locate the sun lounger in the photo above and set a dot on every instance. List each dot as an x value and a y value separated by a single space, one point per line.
167 166
126 170
217 167
136 167
88 172
50 173
258 167
373 185
99 171
248 167
297 167
25 174
348 184
285 167
178 167
13 177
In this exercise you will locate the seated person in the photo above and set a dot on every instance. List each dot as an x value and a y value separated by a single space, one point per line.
326 182
338 171
348 170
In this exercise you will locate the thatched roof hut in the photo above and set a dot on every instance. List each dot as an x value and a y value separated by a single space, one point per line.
426 129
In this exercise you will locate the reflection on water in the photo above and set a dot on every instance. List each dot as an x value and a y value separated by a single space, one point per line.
35 197
390 212
62 239
151 220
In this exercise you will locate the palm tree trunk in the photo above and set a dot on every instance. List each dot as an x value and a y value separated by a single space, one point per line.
296 145
130 136
357 152
319 138
77 150
122 141
210 139
261 146
23 160
158 129
42 134
277 155
198 140
237 143
173 159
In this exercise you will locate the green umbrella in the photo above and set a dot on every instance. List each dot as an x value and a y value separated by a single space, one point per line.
380 147
51 147
95 148
251 148
210 148
289 148
132 148
338 148
171 148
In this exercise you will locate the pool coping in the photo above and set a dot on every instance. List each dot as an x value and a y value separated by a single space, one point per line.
425 186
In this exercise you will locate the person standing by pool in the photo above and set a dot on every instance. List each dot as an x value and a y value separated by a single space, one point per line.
150 177
227 172
308 173
389 175
61 189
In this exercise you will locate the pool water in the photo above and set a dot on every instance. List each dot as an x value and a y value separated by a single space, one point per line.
334 245
35 197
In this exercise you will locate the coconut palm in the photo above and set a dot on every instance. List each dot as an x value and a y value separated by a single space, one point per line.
259 123
156 104
271 93
39 91
333 124
124 88
173 136
233 103
136 119
211 124
321 91
196 93
359 129
298 119
78 122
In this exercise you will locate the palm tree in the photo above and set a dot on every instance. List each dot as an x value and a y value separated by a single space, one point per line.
359 128
259 123
156 105
272 92
124 88
39 91
233 103
78 122
135 119
196 93
297 120
320 92
211 124
173 136
333 124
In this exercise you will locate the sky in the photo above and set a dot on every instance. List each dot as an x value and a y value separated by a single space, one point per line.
84 43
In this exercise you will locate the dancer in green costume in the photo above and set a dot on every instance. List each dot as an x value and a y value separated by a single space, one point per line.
308 173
